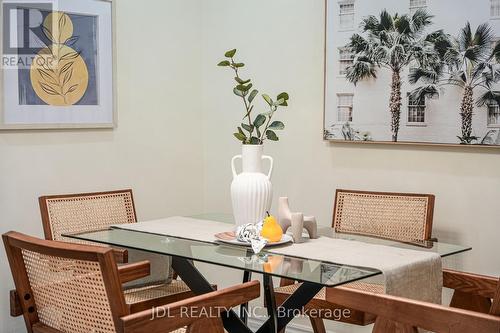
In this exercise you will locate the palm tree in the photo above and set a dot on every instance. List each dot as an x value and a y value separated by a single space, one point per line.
392 43
468 63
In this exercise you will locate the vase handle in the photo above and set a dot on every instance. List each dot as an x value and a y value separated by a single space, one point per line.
265 157
232 165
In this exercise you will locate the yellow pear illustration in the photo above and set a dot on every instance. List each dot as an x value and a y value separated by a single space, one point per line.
59 75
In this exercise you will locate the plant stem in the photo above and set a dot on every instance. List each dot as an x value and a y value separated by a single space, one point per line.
261 139
247 106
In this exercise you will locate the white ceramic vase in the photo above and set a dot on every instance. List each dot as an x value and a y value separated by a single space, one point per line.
251 190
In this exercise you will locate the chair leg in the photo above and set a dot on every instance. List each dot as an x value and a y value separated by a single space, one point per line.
470 302
383 325
207 325
318 325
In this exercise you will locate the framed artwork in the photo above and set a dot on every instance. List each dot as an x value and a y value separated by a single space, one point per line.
57 64
409 72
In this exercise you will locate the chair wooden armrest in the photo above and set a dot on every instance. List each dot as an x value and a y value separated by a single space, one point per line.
206 307
121 255
137 270
412 314
469 283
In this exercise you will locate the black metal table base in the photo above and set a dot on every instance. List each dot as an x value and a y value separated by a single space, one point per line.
287 310
247 275
272 310
234 324
199 285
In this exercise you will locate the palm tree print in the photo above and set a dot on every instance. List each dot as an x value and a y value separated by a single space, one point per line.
392 42
471 63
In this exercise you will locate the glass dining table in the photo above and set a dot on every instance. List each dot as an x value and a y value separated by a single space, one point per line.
313 274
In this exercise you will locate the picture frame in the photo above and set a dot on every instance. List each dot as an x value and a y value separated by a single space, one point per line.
32 104
368 101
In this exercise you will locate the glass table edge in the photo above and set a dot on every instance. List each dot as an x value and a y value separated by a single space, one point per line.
214 216
370 272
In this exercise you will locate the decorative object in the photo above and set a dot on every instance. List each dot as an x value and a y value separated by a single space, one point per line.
258 244
442 74
251 131
250 233
271 230
247 232
256 235
297 221
251 190
61 76
230 237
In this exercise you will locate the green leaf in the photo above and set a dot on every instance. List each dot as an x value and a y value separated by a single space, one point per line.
247 127
277 125
271 135
254 140
259 120
239 65
267 99
242 87
238 92
240 136
252 95
285 98
240 130
230 53
283 95
224 63
240 81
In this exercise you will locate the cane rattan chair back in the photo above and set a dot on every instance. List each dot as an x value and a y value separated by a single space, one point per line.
65 286
397 216
73 213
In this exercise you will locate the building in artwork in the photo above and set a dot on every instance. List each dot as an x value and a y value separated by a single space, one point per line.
365 107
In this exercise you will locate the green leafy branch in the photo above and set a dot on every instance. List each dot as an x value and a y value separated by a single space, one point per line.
251 131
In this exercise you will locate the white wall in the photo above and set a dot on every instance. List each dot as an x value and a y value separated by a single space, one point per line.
282 43
156 149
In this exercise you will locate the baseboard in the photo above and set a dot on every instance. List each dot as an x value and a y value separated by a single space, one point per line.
255 323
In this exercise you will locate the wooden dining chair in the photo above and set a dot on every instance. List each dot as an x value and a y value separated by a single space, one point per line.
76 288
473 292
400 315
405 217
84 212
